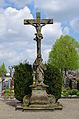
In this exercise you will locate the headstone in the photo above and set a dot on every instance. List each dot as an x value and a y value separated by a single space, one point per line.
0 86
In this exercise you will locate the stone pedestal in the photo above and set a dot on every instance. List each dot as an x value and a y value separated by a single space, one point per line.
39 97
39 100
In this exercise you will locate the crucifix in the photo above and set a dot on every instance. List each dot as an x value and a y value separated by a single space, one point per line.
38 23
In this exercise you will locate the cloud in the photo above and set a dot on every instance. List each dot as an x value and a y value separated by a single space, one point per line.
1 2
66 30
75 24
50 34
16 39
15 3
59 9
20 3
12 24
14 36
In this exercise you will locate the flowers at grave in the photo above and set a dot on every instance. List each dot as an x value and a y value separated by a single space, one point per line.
3 92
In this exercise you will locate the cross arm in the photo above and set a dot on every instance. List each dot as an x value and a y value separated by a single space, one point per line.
42 21
29 21
46 21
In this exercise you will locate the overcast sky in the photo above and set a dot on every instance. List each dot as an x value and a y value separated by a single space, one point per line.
16 40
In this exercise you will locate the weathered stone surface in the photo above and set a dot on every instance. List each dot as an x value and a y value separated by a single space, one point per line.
26 100
52 99
38 71
39 97
38 66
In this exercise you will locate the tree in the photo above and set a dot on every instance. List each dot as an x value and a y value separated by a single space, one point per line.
3 70
64 54
22 80
53 78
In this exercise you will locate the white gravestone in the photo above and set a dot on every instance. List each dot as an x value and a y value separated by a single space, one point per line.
0 87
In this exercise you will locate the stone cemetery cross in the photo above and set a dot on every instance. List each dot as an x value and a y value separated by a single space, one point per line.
39 99
38 66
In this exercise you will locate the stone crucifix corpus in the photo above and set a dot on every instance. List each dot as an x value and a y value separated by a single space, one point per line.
38 67
38 24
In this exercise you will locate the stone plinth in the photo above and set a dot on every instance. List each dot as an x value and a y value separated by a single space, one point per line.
39 97
39 100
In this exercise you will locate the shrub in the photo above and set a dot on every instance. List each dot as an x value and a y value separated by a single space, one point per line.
78 93
7 92
53 78
22 80
73 92
65 92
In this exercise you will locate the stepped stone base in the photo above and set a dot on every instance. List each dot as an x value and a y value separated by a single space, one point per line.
39 100
39 108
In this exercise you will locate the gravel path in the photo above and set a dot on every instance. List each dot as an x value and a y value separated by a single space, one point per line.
70 111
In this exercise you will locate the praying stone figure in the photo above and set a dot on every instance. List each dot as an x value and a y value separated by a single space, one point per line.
38 71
